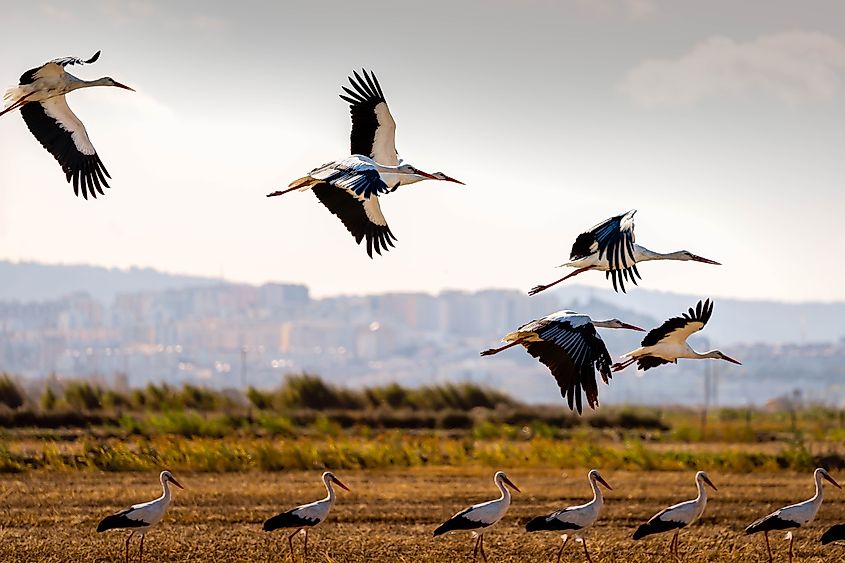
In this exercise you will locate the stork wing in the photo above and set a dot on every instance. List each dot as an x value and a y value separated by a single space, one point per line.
60 132
360 214
613 239
54 68
681 328
373 129
572 354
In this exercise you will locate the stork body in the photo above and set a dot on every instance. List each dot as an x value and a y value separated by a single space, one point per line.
678 516
40 96
142 517
478 518
573 518
350 188
568 344
609 247
794 515
668 342
306 516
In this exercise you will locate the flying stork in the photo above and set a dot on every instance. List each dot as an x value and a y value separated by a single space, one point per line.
307 515
41 99
793 516
678 516
350 188
609 247
478 518
573 518
568 344
141 517
668 342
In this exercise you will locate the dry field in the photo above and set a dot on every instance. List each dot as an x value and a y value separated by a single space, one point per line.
389 516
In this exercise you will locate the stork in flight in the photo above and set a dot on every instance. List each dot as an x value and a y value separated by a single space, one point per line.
678 516
41 99
141 517
668 342
568 344
350 188
793 516
609 247
478 518
306 516
573 518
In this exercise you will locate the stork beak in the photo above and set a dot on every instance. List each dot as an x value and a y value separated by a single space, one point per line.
705 260
510 484
177 483
603 482
731 360
632 327
425 174
446 178
340 484
124 86
709 482
829 478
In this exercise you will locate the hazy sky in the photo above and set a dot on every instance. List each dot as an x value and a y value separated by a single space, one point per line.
723 123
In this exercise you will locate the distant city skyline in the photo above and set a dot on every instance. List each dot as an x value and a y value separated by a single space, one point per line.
722 123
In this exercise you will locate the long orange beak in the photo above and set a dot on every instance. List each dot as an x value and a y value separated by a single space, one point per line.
124 86
731 360
632 327
340 484
705 260
446 178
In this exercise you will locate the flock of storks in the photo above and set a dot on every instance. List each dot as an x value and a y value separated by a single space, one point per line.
566 342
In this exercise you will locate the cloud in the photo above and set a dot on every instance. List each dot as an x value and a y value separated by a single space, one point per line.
793 67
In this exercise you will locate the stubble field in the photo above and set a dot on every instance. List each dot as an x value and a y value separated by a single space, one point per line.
390 514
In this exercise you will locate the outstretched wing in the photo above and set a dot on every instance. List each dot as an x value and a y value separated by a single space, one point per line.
60 132
681 328
373 129
614 240
54 68
360 214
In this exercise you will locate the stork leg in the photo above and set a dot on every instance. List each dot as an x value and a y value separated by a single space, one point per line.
306 544
475 549
677 542
791 539
492 351
16 105
129 537
538 288
481 546
560 551
768 547
283 192
586 553
141 550
619 366
290 544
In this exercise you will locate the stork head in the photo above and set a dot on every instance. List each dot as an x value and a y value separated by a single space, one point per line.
329 477
702 476
616 323
687 255
411 174
167 477
720 356
594 475
822 473
109 81
500 478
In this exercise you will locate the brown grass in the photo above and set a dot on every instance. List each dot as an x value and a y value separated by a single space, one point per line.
389 516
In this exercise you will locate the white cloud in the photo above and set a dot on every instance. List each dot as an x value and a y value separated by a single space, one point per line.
793 67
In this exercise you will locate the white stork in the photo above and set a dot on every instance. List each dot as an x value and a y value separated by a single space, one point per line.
350 188
609 247
668 342
41 99
573 518
478 518
307 515
678 516
568 344
792 516
834 533
141 517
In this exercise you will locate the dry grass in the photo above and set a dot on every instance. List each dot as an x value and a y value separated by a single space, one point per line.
389 516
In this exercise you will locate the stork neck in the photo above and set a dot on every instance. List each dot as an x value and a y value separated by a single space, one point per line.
702 492
329 491
506 494
165 491
643 254
77 83
817 498
598 497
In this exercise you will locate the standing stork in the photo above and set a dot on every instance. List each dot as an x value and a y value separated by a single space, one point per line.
678 516
141 517
568 344
478 518
350 188
41 99
668 342
609 247
573 518
307 515
794 515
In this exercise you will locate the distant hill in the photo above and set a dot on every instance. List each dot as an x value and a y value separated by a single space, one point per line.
31 281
